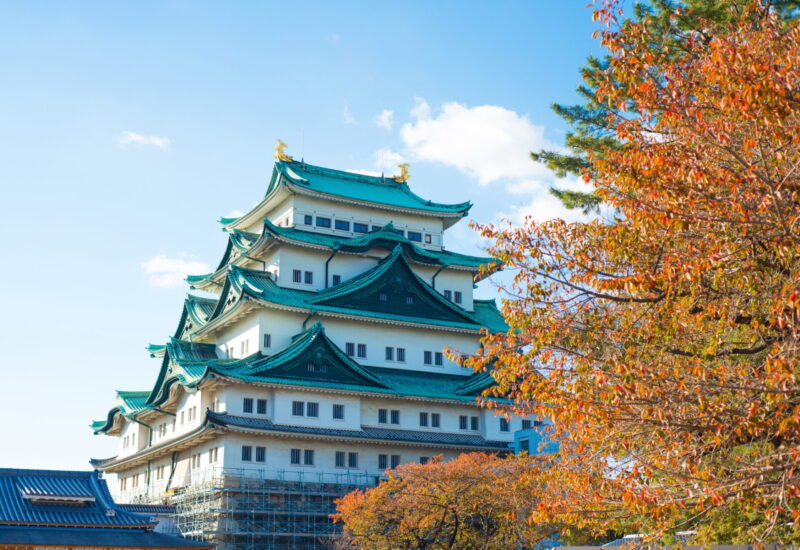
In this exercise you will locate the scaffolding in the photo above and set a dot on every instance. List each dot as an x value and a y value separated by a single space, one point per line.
239 509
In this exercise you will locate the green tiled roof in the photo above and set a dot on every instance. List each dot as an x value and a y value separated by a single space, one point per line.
188 364
311 348
358 296
129 403
196 312
371 189
387 237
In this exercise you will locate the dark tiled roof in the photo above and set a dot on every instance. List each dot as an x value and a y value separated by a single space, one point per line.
410 436
84 496
108 538
149 509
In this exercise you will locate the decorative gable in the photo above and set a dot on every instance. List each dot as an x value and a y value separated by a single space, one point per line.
393 288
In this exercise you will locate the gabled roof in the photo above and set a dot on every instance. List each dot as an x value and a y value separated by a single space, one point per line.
66 508
359 297
312 356
129 403
395 280
182 362
196 313
386 237
61 498
371 189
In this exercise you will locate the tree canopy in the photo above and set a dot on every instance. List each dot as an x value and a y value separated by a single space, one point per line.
664 342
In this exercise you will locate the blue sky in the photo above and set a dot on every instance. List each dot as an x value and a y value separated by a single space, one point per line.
127 129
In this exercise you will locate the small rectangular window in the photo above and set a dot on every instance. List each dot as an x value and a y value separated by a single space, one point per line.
424 459
360 227
473 423
395 461
448 295
362 351
297 276
308 457
435 420
297 408
352 460
312 410
340 459
504 425
409 299
415 236
376 227
401 355
383 461
308 220
350 349
267 340
261 454
423 419
247 405
343 225
428 357
457 297
526 424
338 412
383 296
382 416
389 353
261 406
438 358
395 417
323 222
308 277
337 279
295 456
247 453
427 238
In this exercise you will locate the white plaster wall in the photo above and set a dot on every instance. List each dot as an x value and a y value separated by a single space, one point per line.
246 329
415 341
278 451
370 216
282 409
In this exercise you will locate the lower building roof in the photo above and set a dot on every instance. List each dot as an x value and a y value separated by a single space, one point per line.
106 538
366 432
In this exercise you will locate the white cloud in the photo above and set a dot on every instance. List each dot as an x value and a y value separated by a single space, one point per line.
384 119
386 160
132 138
167 272
543 205
235 213
347 116
487 142
364 172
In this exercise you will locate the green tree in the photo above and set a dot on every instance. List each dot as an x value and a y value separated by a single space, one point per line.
670 23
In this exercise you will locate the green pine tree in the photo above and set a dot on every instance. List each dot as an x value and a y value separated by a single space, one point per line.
671 22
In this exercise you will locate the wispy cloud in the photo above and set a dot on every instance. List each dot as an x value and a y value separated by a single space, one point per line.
235 213
384 119
133 138
167 272
347 116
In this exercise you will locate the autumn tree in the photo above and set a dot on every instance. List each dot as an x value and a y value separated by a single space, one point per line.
471 502
664 342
